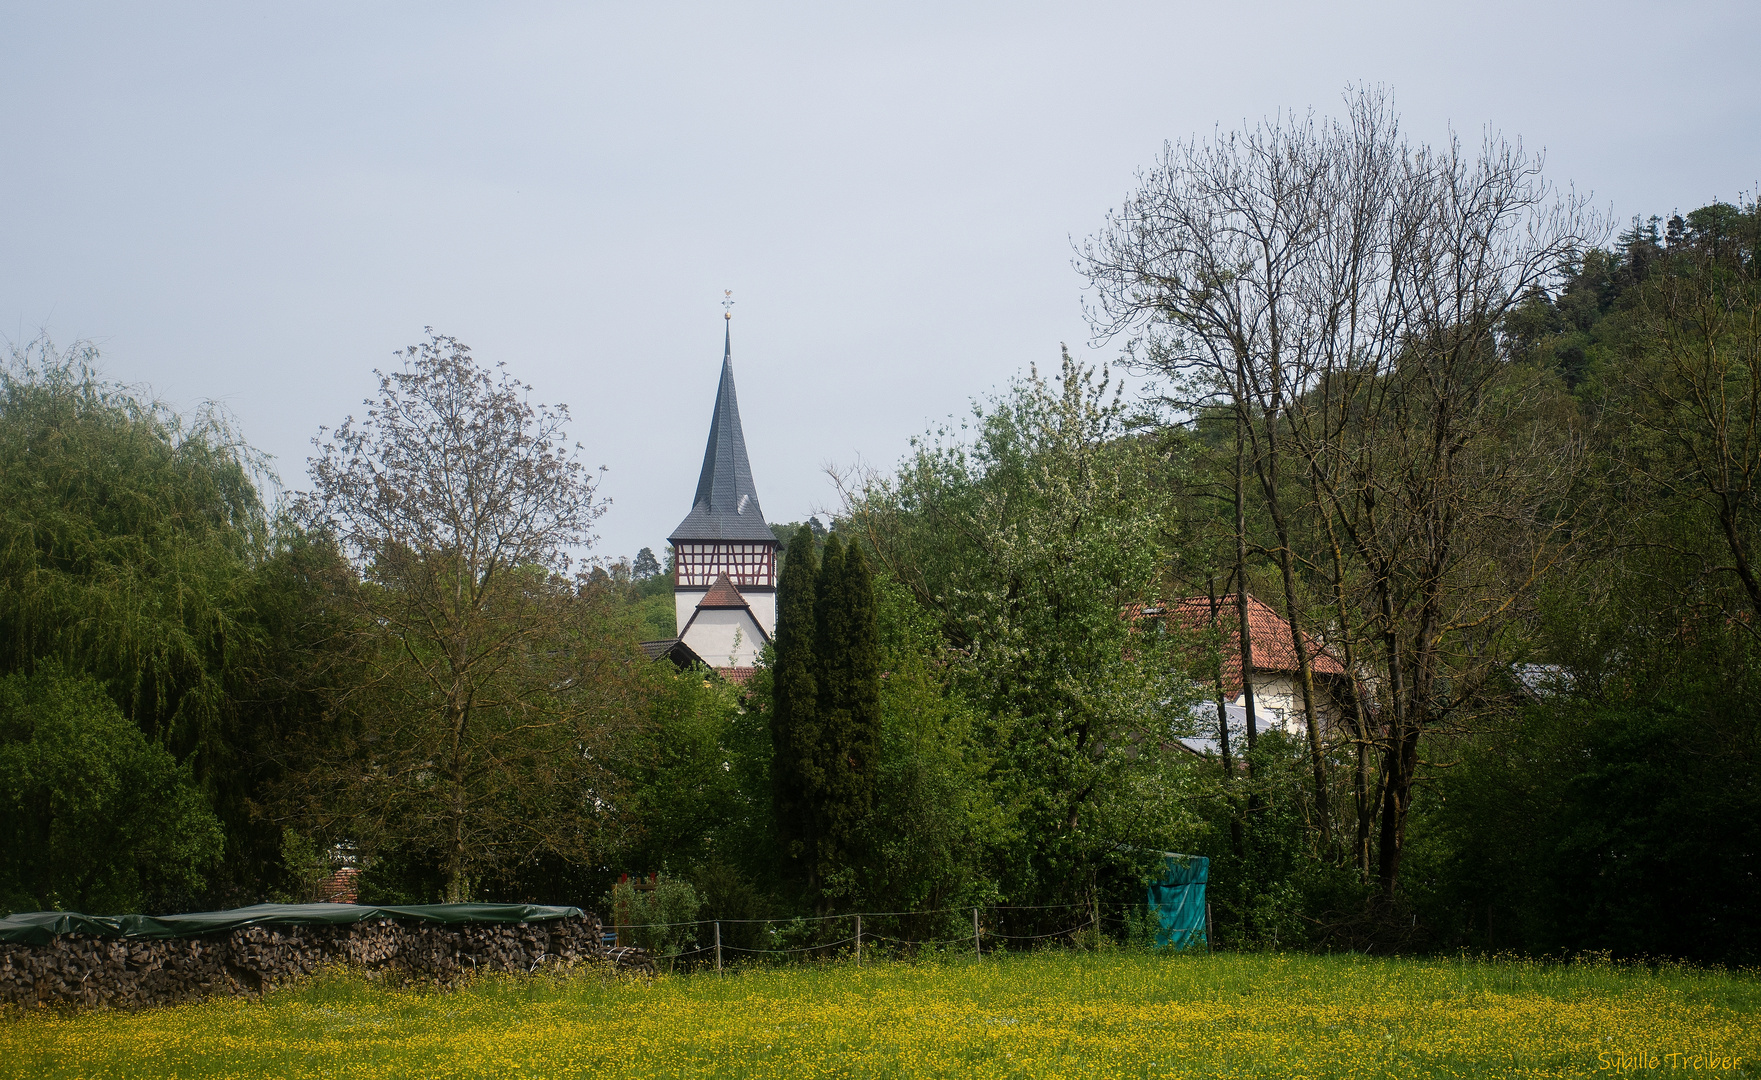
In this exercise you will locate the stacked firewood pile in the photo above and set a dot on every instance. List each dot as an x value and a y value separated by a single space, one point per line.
79 969
633 960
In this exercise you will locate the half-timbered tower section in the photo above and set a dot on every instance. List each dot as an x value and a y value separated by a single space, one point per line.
724 555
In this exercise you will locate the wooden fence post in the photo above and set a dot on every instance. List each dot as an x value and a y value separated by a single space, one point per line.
977 946
858 941
718 948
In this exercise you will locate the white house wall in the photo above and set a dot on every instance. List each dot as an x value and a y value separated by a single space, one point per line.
1277 702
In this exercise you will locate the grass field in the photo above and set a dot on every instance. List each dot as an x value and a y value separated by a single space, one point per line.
1109 1014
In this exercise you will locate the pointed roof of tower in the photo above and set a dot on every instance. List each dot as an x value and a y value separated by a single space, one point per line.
726 504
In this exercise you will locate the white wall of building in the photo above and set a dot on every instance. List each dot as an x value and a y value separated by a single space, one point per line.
725 637
764 609
763 604
685 603
1277 702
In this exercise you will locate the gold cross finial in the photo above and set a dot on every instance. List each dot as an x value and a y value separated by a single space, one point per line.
728 304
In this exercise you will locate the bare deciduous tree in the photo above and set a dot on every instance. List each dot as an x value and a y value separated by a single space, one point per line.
1213 250
1343 292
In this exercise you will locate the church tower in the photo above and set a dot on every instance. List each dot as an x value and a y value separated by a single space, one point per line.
724 555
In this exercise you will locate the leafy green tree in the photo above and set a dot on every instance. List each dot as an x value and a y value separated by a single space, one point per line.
1688 411
1031 544
93 816
1619 810
685 799
649 598
659 916
936 815
1615 809
785 532
127 536
831 675
494 692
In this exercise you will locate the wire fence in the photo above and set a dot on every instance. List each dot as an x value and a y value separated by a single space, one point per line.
987 936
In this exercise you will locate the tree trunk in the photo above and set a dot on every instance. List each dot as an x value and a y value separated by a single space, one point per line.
1245 648
1727 521
456 885
1317 756
1400 763
1395 785
1360 729
1222 700
1268 472
1235 837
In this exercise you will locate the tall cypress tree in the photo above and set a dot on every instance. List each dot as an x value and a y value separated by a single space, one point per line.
830 677
796 774
852 730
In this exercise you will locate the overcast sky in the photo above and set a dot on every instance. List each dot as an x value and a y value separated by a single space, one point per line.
259 206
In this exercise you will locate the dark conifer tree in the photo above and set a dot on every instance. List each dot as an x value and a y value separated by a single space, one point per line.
829 632
852 730
796 775
830 679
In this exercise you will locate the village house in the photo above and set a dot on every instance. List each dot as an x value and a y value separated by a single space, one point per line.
1275 680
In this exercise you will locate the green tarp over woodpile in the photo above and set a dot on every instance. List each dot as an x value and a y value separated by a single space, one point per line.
1178 901
38 927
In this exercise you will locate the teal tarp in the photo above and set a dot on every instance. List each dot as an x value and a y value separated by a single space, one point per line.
38 927
1178 901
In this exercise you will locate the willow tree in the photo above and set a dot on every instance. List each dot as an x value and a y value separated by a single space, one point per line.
134 549
93 817
126 534
484 718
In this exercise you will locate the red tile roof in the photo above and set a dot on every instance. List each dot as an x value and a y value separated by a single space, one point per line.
722 594
1269 634
736 675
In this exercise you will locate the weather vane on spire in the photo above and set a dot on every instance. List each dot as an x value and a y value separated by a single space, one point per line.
728 304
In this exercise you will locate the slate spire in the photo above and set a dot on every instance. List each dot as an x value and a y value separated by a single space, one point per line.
726 504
